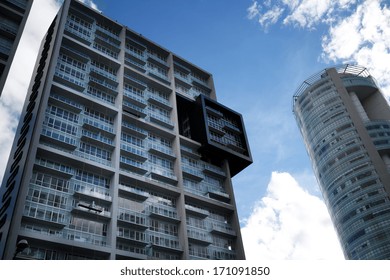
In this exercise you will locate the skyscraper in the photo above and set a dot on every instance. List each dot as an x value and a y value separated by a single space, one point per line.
345 123
13 16
122 152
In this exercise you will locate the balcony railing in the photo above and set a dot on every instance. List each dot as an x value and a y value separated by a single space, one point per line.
92 191
132 217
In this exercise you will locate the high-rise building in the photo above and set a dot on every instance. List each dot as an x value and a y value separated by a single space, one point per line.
345 123
13 16
122 152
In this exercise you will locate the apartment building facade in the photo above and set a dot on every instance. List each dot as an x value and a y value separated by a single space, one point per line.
122 152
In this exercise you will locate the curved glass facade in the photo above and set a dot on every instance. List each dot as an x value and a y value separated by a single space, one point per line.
348 144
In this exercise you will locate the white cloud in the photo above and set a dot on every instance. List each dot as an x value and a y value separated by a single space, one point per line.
289 223
90 3
302 13
253 10
359 30
270 17
15 89
18 80
363 38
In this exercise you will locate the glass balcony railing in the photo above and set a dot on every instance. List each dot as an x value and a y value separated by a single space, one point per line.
92 191
136 151
162 174
164 240
64 139
63 169
160 120
199 235
161 150
138 131
92 157
163 211
159 100
93 122
133 191
132 217
84 237
98 137
135 97
104 73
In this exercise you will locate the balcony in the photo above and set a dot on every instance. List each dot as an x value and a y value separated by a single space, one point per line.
69 49
84 237
134 130
92 191
92 157
97 125
44 215
107 41
160 150
103 85
218 195
223 229
109 33
136 98
199 236
162 175
134 236
358 81
160 76
140 56
133 165
200 82
219 253
91 210
164 241
132 218
193 153
133 109
160 120
155 58
133 151
214 112
135 63
159 101
65 103
135 80
197 211
214 170
97 139
163 212
192 172
104 75
68 80
80 33
53 167
183 78
133 192
57 137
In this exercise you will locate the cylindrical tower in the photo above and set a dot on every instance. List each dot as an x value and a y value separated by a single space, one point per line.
345 123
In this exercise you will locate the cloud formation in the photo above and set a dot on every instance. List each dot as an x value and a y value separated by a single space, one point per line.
363 38
358 30
18 80
15 89
289 223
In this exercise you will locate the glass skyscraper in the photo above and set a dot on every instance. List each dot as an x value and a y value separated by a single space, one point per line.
122 152
345 123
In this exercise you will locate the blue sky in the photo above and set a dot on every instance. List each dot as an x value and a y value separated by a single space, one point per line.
259 52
